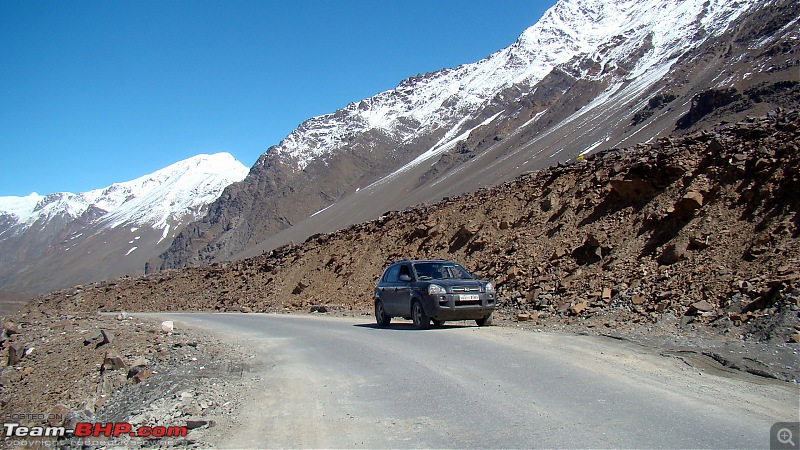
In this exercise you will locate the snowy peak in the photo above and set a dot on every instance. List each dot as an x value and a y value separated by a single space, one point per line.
62 239
155 199
624 38
655 31
20 208
172 192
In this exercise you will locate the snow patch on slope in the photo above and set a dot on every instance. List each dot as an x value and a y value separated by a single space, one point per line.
439 148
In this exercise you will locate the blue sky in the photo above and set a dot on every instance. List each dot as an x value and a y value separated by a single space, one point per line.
97 92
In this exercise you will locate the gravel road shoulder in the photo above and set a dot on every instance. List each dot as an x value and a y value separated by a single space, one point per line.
119 368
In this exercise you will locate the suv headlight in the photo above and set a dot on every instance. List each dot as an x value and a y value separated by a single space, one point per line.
435 289
489 288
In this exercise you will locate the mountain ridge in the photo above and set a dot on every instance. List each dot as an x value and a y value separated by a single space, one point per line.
111 198
103 227
580 103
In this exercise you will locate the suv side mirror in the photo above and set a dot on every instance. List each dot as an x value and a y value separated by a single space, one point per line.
405 278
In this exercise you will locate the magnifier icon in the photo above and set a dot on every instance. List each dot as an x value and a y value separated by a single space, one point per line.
785 436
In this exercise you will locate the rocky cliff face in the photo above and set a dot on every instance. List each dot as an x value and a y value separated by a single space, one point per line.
588 76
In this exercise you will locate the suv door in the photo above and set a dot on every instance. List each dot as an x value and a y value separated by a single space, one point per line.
388 288
401 297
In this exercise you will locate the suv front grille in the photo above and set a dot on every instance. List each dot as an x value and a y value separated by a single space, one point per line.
463 289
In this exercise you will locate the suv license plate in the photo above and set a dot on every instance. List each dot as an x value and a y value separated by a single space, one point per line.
469 297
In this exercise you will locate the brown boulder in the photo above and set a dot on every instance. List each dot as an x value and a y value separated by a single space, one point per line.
533 296
673 253
699 307
15 354
435 230
687 205
468 230
138 374
512 272
9 375
299 288
112 361
197 423
99 338
630 189
697 243
11 328
558 254
578 308
57 415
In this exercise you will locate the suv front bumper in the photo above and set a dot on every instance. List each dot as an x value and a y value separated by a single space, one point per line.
459 306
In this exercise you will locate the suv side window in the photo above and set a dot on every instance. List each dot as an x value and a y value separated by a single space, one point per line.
405 270
392 274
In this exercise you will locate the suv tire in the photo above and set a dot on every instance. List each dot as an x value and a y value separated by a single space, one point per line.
421 320
485 322
380 314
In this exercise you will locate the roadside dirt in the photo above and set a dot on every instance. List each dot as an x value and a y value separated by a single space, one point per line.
120 368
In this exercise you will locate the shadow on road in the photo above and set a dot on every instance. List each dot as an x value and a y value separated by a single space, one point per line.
409 326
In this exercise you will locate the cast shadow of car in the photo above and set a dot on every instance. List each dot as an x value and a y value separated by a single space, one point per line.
409 326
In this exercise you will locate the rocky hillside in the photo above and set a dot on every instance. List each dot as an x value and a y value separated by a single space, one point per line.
701 231
589 76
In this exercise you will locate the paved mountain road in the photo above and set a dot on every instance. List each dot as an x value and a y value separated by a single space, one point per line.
341 382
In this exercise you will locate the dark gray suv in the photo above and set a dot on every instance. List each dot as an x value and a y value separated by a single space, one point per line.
432 290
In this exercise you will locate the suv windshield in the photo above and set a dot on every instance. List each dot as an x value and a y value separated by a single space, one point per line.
439 271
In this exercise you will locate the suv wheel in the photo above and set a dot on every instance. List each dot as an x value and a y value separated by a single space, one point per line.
421 320
485 322
380 314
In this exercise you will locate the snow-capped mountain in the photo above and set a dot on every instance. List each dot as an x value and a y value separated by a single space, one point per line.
588 76
169 194
446 102
106 232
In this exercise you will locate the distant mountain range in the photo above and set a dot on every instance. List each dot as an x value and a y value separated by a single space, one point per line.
62 239
590 75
